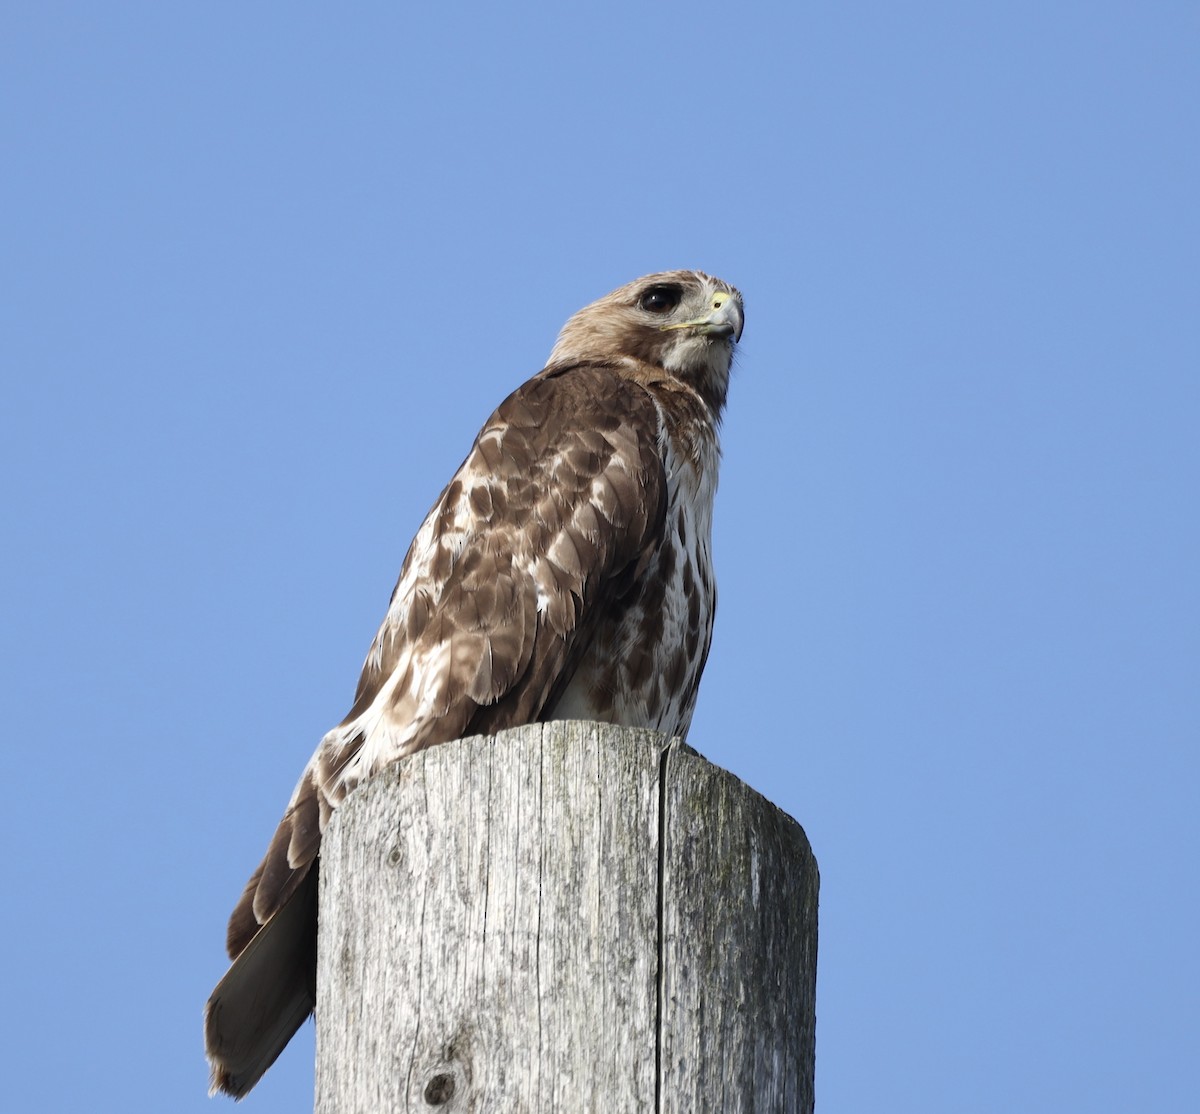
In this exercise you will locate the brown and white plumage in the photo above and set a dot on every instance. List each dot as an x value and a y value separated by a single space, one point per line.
563 573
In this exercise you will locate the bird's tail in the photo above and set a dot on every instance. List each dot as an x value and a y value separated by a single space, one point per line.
266 995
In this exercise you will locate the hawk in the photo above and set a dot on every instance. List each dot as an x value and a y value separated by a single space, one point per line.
564 573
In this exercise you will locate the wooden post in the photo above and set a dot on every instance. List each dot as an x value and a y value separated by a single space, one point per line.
566 917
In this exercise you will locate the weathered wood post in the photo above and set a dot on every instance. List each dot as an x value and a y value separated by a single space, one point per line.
566 917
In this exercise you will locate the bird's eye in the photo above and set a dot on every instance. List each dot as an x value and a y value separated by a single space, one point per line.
661 299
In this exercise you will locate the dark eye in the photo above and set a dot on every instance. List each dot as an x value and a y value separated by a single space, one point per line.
661 299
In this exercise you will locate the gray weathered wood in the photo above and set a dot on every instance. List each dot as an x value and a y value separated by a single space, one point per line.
564 917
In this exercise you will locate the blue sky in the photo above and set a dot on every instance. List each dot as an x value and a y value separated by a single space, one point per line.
267 268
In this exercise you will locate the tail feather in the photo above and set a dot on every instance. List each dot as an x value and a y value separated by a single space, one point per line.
265 996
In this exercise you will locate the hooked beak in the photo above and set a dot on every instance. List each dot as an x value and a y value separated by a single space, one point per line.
723 320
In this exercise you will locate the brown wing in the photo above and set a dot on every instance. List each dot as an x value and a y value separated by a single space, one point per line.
543 529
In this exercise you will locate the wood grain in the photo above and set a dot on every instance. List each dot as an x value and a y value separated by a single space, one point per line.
564 917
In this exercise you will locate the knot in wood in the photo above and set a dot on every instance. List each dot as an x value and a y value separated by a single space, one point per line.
440 1089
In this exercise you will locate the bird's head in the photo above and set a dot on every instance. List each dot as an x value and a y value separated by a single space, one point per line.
683 322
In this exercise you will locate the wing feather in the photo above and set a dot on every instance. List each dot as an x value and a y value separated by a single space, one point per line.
544 527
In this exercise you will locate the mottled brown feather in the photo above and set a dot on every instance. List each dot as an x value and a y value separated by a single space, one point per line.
507 662
548 549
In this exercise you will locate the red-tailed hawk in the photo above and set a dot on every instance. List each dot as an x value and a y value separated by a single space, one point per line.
564 573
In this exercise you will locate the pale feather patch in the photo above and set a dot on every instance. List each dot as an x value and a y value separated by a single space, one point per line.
444 535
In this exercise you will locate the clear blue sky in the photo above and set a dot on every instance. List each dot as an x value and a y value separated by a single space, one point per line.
267 267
